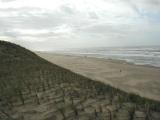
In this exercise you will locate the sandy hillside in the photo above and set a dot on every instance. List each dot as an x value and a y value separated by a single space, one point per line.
142 80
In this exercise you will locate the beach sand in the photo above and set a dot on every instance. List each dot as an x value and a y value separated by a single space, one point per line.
142 80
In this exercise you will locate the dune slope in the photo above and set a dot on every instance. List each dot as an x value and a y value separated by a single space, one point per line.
32 88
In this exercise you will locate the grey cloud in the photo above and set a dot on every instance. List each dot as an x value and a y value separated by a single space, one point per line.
20 10
29 18
67 9
7 0
32 18
141 5
107 29
16 34
86 27
153 2
26 18
145 5
93 15
3 25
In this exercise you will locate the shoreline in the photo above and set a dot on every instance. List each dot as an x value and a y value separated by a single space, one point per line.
142 80
111 59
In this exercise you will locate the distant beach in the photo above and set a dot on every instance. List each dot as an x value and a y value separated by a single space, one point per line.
144 55
140 79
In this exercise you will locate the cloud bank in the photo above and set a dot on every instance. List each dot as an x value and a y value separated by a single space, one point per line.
60 24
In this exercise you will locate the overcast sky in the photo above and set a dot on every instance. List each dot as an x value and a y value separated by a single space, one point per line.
59 24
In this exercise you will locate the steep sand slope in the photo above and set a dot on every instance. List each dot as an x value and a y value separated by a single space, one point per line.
142 80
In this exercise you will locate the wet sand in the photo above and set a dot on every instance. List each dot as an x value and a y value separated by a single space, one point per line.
142 80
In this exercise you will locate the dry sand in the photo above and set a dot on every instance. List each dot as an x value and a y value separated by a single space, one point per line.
142 80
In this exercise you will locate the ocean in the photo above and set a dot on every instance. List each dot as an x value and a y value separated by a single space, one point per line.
137 55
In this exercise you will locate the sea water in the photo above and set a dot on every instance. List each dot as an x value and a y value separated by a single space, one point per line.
137 55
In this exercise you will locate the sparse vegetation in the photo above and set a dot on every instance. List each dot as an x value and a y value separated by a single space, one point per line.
34 89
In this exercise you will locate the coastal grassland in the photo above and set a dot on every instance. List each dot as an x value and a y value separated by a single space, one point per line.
32 88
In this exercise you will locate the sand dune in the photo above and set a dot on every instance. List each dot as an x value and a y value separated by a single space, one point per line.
142 80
